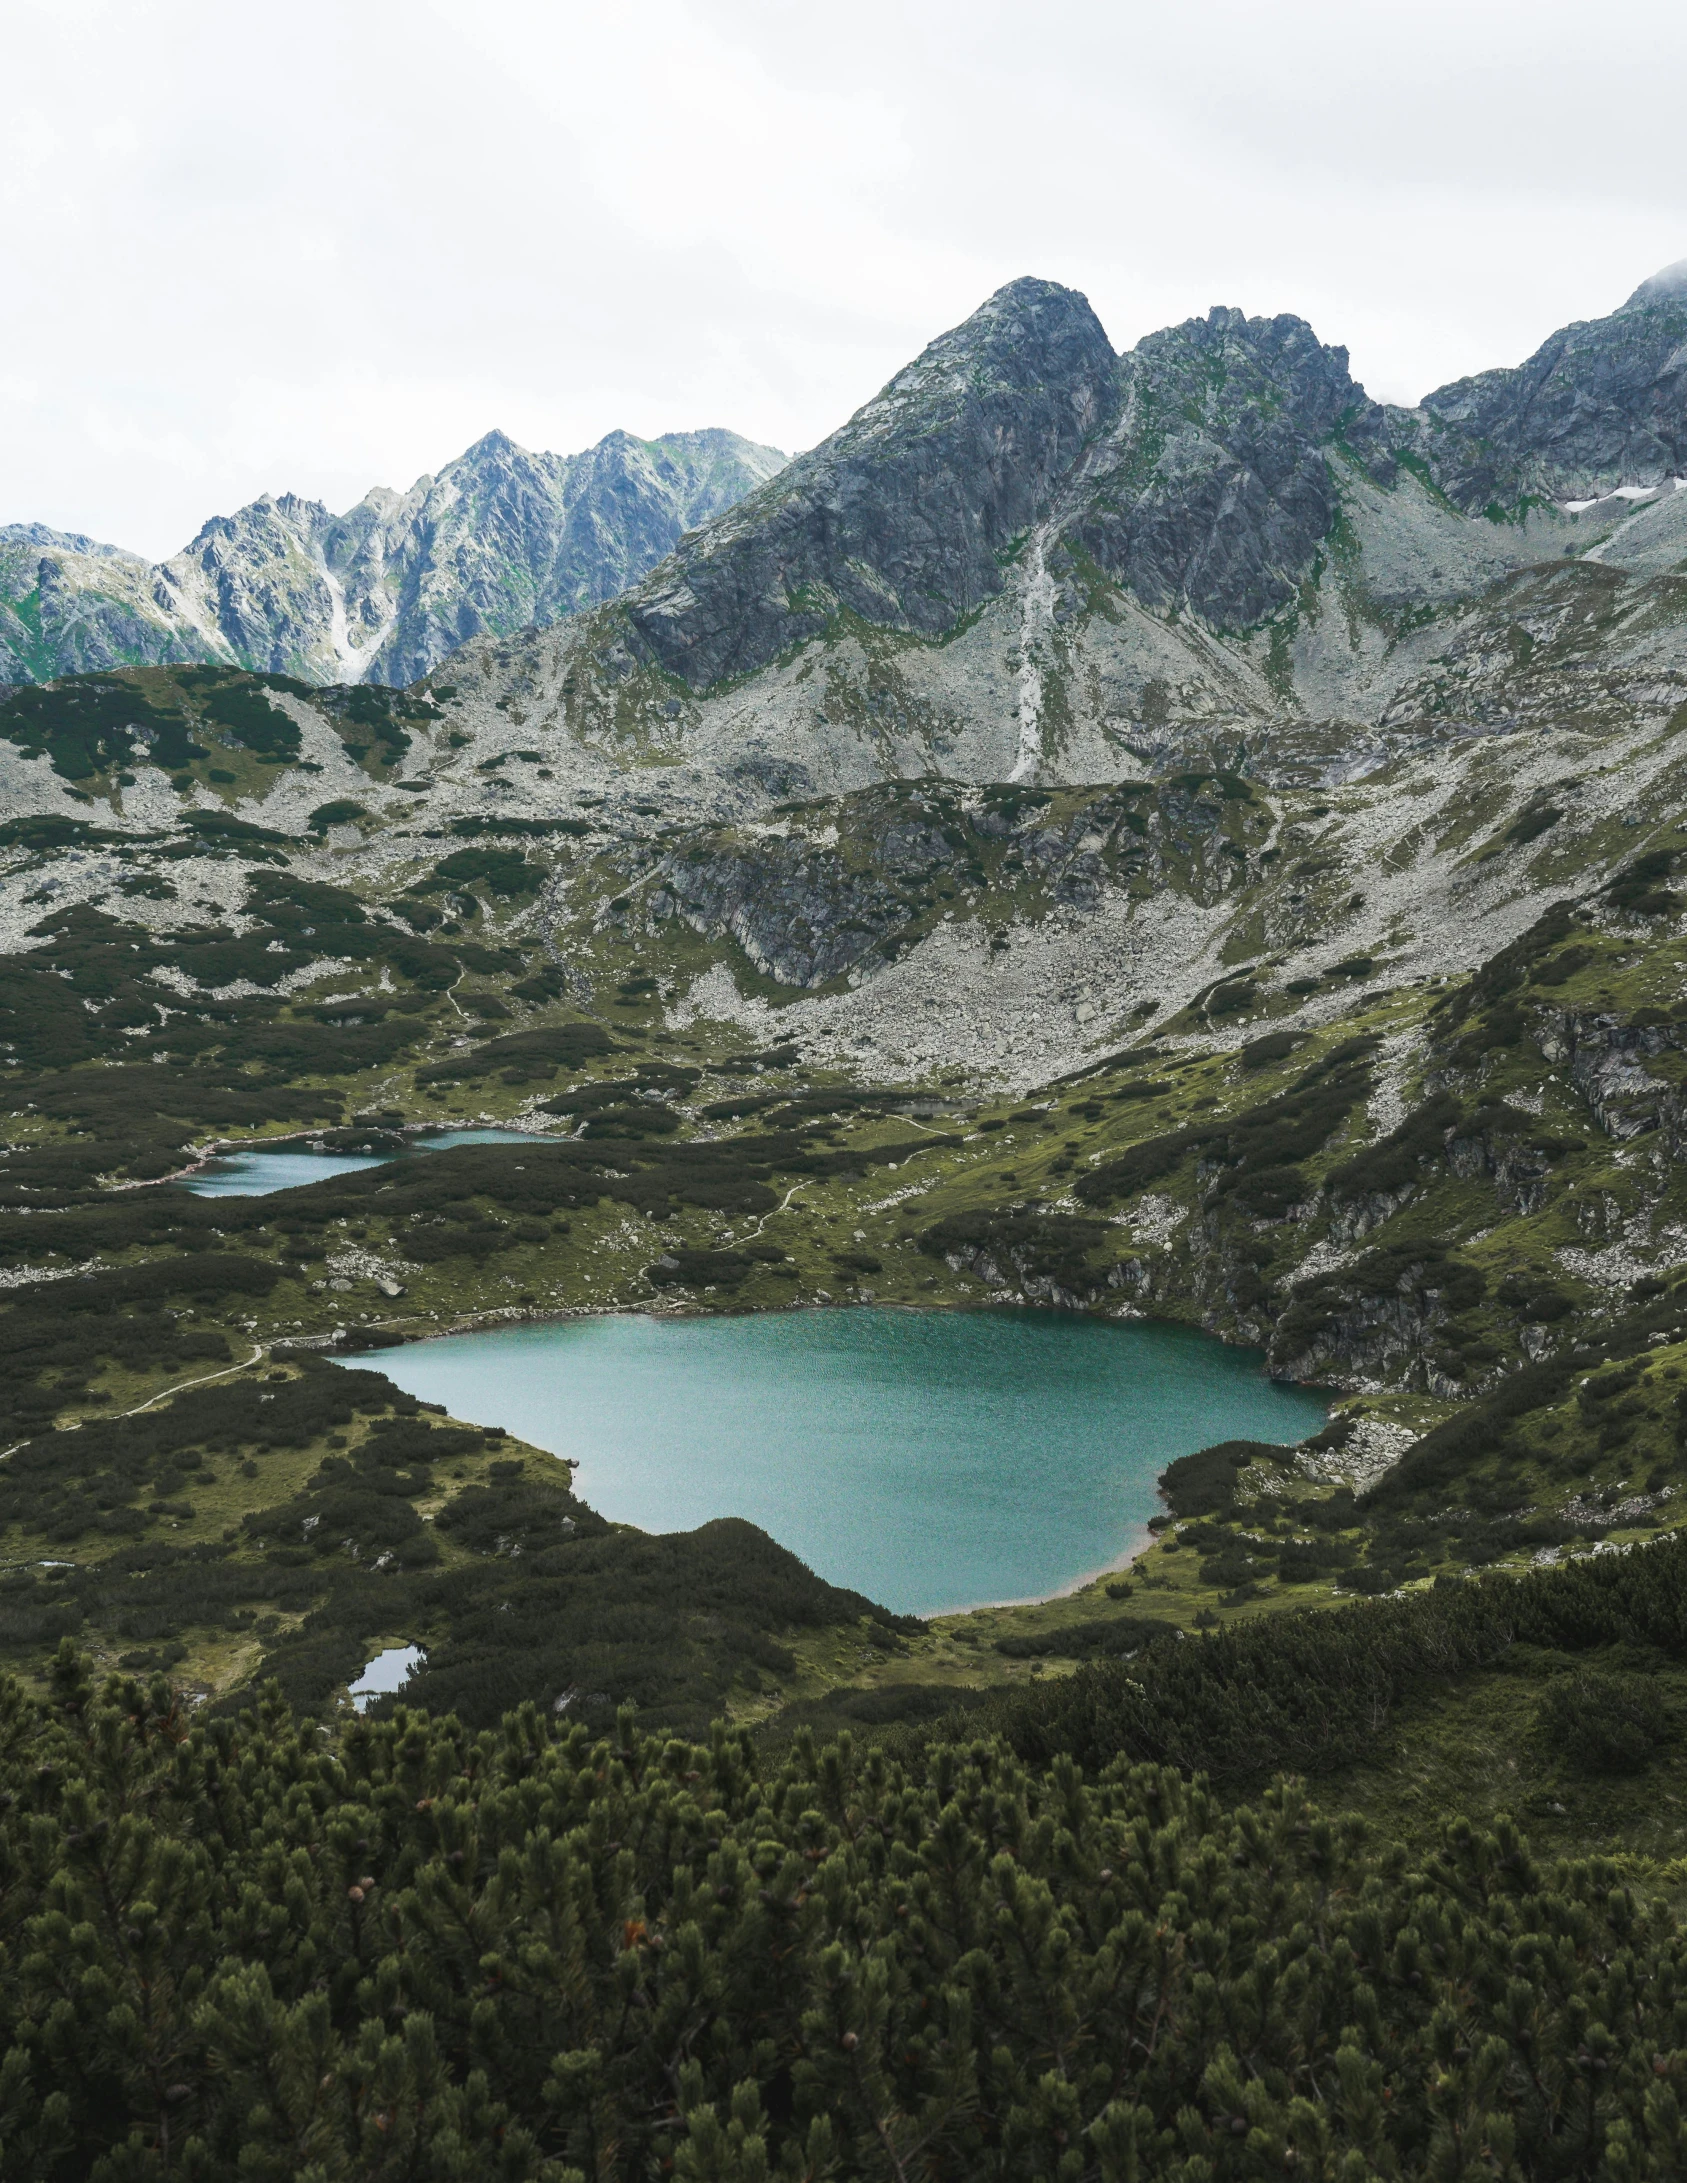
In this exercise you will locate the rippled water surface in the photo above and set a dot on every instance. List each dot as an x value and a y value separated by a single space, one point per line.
931 1459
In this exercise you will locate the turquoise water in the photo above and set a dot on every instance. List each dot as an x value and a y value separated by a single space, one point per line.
256 1174
933 1460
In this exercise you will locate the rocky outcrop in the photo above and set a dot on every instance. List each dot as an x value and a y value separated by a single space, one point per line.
1518 1168
800 915
501 540
1600 404
907 517
1043 1257
1214 488
1605 1057
849 883
1389 1319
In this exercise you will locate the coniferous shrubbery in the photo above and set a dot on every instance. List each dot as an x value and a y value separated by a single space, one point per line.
1602 1723
505 871
1257 1151
1204 1483
237 1947
1315 1692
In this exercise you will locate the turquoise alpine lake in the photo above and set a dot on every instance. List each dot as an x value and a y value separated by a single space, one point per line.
933 1460
258 1172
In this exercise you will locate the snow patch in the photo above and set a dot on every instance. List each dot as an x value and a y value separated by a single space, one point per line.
1624 492
354 663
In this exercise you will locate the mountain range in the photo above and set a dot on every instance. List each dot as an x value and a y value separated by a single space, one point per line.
501 539
1029 557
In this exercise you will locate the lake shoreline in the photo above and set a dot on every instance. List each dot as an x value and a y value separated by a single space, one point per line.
657 1308
1113 1568
926 1456
234 1148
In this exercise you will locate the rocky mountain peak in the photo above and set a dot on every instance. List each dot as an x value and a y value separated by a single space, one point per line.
1667 285
1214 487
1229 366
274 515
1600 404
1028 327
906 517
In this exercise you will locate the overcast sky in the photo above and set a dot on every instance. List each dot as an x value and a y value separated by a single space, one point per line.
321 245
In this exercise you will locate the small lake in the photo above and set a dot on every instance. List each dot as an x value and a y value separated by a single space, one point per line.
257 1173
388 1671
932 1459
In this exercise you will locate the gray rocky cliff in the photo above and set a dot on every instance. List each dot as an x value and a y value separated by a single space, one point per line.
908 516
1600 404
504 540
1214 489
252 584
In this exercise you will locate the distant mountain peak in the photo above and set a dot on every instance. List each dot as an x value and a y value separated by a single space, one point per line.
502 539
1667 285
1028 294
44 539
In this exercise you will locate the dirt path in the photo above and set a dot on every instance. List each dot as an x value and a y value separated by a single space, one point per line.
164 1394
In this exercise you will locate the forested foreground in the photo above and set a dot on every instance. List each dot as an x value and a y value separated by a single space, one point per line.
248 1945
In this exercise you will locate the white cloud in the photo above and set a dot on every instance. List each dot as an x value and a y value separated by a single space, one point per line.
313 247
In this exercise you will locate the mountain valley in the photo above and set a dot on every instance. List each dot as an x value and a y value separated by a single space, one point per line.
1160 834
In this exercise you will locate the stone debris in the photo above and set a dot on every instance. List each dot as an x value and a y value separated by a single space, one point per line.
1374 1447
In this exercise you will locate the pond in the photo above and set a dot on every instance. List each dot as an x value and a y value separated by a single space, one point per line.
390 1670
257 1173
932 1459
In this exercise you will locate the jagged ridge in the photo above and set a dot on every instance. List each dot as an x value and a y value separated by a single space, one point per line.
500 540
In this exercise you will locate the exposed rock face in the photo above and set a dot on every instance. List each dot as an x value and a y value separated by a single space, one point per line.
254 585
842 888
800 916
1607 1060
908 514
500 540
1021 561
1214 487
1601 404
504 540
69 605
